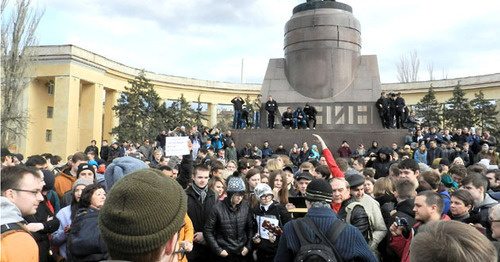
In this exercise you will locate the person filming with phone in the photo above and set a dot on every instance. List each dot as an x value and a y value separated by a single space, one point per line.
428 207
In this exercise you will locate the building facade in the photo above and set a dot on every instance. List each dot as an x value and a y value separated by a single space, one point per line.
72 92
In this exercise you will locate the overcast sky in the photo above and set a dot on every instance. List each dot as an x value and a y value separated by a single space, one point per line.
207 39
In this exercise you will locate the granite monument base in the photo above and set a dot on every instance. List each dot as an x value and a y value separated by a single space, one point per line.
332 137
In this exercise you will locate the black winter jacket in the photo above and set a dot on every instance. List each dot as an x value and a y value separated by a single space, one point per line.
42 236
229 228
276 211
359 218
199 212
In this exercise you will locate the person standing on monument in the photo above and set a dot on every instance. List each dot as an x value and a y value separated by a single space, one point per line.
256 105
238 107
392 109
383 109
400 108
271 108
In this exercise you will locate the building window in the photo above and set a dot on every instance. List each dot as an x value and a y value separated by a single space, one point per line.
50 111
48 135
50 87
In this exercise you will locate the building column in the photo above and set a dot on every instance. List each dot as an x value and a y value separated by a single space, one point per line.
65 128
212 112
91 110
110 120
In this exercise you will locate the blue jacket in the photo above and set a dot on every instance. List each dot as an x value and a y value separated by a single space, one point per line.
350 245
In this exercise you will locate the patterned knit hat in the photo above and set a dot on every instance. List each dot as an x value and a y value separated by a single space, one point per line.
143 210
235 185
262 189
319 190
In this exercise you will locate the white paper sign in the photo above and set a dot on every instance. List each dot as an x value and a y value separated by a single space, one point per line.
263 232
176 146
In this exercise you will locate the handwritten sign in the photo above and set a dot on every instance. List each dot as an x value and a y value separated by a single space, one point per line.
176 146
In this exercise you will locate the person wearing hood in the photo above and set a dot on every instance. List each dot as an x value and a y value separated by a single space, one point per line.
266 241
299 118
373 149
66 215
228 230
382 163
43 222
311 113
21 195
314 153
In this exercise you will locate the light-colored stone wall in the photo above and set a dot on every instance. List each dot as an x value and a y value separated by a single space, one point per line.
87 85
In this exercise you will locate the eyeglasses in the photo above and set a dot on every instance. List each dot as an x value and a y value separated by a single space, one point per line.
266 196
34 192
181 252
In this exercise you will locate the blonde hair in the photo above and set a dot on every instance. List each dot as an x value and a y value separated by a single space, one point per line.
383 186
274 164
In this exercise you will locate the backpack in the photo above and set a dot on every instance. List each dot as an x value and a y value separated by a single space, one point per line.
84 240
322 249
10 228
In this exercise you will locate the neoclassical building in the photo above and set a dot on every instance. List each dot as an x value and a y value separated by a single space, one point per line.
73 90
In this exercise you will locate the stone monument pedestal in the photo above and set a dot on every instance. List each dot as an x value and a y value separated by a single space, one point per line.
323 67
333 138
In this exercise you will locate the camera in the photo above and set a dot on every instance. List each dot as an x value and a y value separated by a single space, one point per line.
402 222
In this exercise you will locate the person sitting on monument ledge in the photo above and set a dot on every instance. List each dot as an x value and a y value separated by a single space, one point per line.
311 113
299 118
287 119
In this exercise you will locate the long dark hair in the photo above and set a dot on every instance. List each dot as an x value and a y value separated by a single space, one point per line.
88 191
74 203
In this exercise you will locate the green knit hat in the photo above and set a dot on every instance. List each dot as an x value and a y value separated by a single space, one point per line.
142 211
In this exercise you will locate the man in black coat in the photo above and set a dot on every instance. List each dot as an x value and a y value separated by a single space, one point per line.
383 107
271 108
311 113
201 200
351 211
400 106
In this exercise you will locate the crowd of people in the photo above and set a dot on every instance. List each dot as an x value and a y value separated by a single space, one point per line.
300 118
135 202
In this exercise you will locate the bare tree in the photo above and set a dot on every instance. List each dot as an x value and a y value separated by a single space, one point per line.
18 33
408 67
444 74
430 70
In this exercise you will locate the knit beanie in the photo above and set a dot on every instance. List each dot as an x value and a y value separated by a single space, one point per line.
319 190
81 181
142 212
262 189
84 166
93 163
235 185
120 167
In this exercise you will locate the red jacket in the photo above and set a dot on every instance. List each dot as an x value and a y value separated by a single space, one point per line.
401 245
332 165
